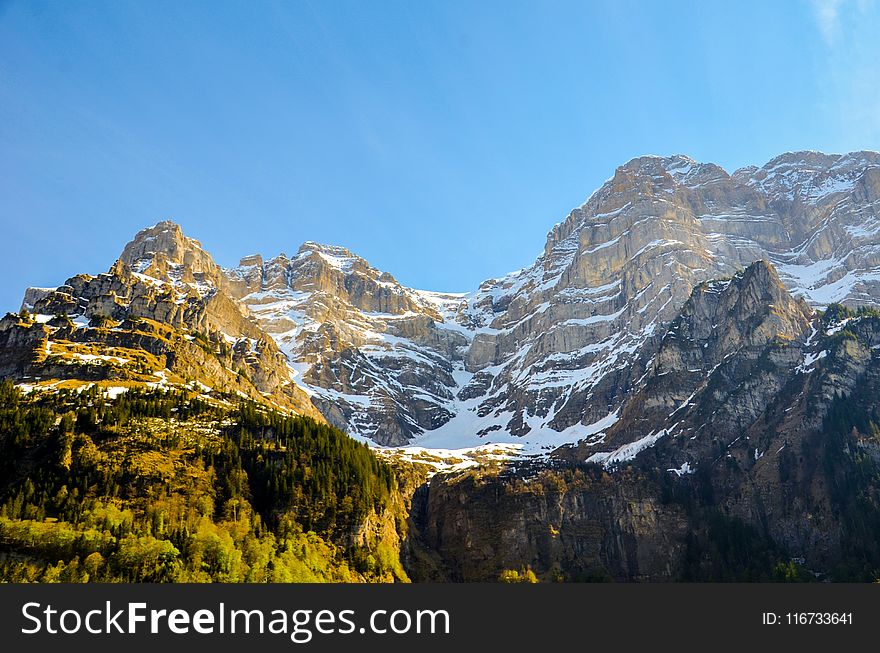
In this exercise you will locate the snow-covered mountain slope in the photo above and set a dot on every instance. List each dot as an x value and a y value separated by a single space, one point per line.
378 359
548 354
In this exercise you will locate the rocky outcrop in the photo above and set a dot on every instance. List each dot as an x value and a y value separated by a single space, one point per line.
164 297
744 333
374 355
764 406
162 252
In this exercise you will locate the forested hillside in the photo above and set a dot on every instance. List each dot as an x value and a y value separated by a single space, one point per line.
161 486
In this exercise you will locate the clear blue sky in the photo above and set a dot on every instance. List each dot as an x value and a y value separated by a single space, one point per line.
440 140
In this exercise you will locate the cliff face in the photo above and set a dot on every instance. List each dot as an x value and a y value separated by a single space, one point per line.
573 525
734 343
549 354
752 442
564 336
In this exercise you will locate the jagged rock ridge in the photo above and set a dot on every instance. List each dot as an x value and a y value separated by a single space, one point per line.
161 316
751 450
548 354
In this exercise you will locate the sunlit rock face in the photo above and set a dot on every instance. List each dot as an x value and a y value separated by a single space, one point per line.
164 314
547 352
543 356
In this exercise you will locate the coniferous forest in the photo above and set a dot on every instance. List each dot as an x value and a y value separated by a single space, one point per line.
160 486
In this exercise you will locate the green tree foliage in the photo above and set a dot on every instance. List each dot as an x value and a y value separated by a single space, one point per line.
848 443
327 479
161 486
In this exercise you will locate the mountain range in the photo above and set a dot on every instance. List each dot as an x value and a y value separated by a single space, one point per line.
692 357
544 354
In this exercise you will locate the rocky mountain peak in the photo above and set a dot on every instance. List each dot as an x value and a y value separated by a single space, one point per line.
725 317
813 161
760 277
164 283
165 253
328 250
750 310
664 174
802 159
557 347
342 260
811 177
254 260
732 345
165 237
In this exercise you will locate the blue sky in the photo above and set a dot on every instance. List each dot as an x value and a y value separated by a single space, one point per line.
439 140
